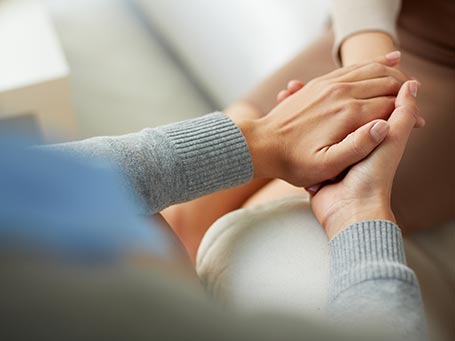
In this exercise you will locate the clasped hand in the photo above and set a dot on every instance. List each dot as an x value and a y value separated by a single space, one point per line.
332 123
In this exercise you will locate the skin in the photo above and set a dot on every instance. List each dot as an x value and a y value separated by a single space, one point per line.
365 192
307 134
355 49
311 137
365 46
425 171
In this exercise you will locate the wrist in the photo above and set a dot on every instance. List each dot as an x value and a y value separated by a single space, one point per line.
259 144
364 46
358 212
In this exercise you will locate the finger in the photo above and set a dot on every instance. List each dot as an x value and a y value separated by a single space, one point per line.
294 86
390 59
313 189
357 113
375 87
282 95
407 99
374 108
406 114
420 120
377 107
401 123
373 70
356 146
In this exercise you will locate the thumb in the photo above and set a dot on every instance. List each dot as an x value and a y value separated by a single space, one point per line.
356 146
401 124
405 116
407 94
406 98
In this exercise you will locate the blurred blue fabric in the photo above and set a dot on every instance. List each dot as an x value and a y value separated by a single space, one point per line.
69 207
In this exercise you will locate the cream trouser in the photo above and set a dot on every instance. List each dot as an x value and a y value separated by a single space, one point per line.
274 256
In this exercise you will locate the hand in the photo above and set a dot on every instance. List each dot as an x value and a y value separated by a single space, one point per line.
364 193
303 140
293 87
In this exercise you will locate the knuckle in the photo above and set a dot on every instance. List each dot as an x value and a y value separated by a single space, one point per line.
352 107
338 89
409 111
353 67
378 68
393 83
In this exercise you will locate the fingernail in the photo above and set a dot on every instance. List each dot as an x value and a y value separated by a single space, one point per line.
314 189
413 88
421 122
281 95
393 55
379 130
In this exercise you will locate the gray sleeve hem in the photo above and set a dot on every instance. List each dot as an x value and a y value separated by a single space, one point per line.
369 250
212 152
174 163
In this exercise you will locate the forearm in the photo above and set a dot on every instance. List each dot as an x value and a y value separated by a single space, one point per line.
364 29
177 162
365 46
371 284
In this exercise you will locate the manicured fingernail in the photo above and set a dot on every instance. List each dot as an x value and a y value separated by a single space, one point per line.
413 88
281 95
314 189
379 131
393 55
421 122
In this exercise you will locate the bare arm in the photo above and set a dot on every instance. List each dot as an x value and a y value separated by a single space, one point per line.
364 29
364 46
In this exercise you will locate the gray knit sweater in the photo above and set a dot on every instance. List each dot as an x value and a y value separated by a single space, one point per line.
370 282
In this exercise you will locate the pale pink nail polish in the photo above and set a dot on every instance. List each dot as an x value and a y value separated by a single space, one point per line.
413 88
314 189
379 131
393 55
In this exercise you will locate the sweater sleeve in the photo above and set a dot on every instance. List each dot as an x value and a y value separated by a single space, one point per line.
177 162
353 16
371 283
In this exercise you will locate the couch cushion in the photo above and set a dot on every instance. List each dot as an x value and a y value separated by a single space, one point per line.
122 80
229 45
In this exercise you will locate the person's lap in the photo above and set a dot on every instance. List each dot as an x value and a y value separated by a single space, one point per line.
274 256
423 191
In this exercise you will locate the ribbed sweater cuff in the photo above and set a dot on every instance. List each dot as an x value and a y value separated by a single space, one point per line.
370 250
212 151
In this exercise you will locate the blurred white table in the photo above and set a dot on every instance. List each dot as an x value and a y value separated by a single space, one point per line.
33 70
